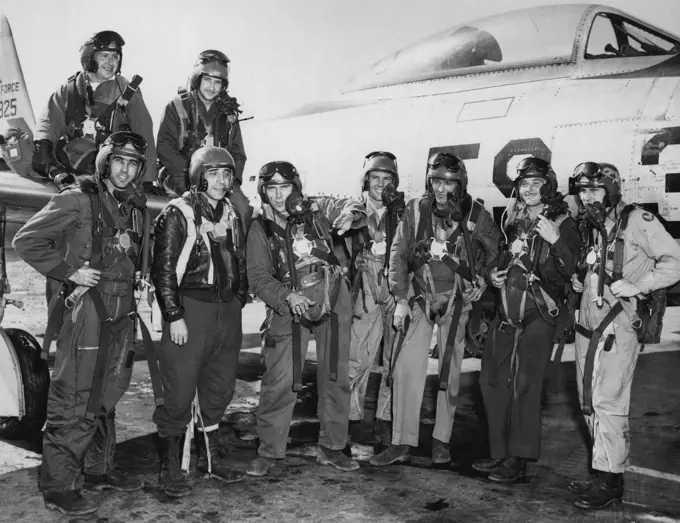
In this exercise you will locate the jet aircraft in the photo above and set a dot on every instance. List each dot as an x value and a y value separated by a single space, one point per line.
567 83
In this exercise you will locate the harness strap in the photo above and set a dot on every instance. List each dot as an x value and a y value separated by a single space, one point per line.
450 343
400 344
152 361
594 336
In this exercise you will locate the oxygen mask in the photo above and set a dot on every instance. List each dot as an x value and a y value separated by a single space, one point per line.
453 209
595 214
297 206
131 196
392 199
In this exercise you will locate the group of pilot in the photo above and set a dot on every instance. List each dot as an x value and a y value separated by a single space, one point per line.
410 266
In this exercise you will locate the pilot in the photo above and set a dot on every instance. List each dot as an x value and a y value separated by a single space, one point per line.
612 318
373 301
85 110
199 273
293 269
535 267
95 268
202 114
450 243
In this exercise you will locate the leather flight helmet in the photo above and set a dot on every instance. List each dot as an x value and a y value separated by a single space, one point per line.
101 41
122 143
534 167
211 63
206 158
454 170
594 175
277 173
382 161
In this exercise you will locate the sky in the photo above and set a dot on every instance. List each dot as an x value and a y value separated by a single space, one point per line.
284 53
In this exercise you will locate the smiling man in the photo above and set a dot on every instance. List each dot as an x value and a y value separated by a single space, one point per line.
201 114
538 259
373 301
83 112
199 272
88 241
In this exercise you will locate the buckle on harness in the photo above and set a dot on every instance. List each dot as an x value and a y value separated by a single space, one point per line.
554 311
637 323
503 326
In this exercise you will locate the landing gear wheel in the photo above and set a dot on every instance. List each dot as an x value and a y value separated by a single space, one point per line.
35 375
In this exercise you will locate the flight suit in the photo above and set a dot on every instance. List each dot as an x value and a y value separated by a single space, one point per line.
513 367
368 325
56 241
269 280
651 261
53 126
410 367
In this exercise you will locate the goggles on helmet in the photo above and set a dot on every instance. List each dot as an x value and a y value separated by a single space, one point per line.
590 170
533 164
213 56
107 39
286 169
448 160
122 138
386 154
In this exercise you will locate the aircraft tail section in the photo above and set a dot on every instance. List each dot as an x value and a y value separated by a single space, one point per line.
15 105
16 112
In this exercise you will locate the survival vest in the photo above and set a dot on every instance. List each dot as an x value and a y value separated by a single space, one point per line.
449 251
220 131
649 310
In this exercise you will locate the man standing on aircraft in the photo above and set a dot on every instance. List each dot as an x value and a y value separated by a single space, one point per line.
199 272
534 270
84 111
202 114
450 243
642 258
88 241
292 268
373 301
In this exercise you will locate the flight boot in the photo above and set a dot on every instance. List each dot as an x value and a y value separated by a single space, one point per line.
440 452
69 502
260 466
217 469
486 465
336 458
170 476
582 487
511 470
392 454
606 491
114 480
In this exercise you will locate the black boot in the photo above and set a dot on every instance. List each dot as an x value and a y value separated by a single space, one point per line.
607 490
511 470
170 477
218 468
582 487
69 502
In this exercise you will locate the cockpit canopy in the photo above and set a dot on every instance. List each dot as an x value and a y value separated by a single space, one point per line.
528 37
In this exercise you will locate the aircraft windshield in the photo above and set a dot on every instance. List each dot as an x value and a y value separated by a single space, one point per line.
528 36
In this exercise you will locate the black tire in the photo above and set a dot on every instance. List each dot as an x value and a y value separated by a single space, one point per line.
35 373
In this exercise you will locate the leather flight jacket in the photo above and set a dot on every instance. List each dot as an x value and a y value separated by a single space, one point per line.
229 277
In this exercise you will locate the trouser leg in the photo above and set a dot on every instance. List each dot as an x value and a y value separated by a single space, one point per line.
334 396
180 367
68 433
217 377
410 371
524 421
384 408
99 458
366 333
613 377
446 400
496 392
277 399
